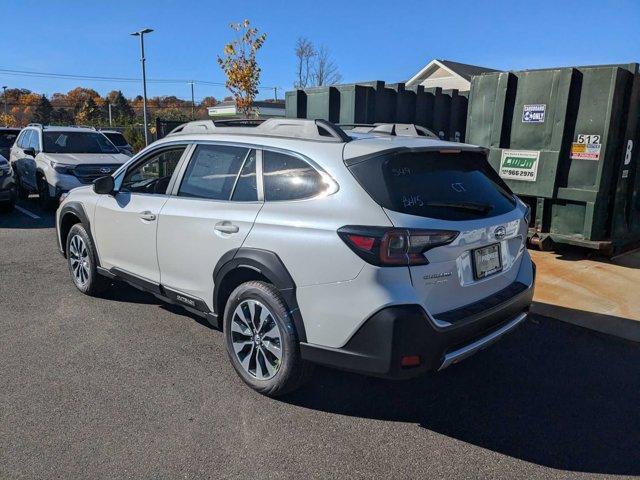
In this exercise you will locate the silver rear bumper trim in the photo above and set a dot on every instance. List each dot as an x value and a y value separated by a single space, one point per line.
468 350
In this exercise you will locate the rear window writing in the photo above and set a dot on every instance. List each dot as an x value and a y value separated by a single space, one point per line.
449 186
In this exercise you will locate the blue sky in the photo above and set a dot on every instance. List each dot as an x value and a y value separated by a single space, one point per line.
368 39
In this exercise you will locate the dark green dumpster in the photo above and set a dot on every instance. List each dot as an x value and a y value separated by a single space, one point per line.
357 104
323 103
295 104
564 140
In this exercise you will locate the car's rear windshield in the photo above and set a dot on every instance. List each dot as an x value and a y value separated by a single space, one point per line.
7 139
117 139
77 142
447 186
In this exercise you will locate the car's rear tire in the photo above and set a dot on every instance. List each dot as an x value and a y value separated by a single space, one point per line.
262 341
81 258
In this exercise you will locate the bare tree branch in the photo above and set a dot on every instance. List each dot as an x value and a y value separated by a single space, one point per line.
325 71
305 53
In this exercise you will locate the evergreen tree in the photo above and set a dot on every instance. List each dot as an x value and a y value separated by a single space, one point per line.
62 116
42 112
121 108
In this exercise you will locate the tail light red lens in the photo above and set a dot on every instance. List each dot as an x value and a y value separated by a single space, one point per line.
394 246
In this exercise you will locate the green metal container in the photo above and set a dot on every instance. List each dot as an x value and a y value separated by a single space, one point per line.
405 103
295 104
376 102
357 104
323 103
564 139
458 116
424 106
441 112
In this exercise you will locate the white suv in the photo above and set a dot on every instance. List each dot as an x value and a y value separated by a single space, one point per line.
377 253
53 160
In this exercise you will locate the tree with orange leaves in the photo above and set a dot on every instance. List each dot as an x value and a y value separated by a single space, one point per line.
240 66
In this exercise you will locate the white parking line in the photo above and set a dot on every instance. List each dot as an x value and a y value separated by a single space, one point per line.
27 213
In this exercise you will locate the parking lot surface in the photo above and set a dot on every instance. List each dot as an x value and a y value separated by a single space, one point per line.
127 387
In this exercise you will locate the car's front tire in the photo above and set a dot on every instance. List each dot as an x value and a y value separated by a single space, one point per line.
262 341
81 258
47 202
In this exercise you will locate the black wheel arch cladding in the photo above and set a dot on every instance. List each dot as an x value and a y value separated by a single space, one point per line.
269 265
76 209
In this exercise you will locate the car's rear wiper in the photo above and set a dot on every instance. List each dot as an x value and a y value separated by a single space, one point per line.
473 206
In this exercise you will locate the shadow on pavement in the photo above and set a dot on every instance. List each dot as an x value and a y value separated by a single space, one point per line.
17 219
122 292
551 393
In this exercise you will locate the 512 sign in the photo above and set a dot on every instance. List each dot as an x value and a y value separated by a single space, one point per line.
593 139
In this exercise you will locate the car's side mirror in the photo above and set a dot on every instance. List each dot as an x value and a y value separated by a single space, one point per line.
30 151
104 185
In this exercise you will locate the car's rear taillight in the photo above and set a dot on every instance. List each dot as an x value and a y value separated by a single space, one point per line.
394 246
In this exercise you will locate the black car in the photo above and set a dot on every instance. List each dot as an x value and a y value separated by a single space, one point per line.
7 138
119 140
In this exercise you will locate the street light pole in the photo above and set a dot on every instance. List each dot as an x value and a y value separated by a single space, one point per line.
144 81
110 117
193 102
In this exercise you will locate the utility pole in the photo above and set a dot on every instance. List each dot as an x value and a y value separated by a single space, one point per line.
144 81
193 102
275 93
110 119
4 96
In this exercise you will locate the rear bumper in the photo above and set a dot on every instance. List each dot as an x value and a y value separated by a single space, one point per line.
378 347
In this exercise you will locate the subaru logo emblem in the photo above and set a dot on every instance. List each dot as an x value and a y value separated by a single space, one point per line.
105 170
500 233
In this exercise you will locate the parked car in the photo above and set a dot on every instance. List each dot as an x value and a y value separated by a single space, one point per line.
119 140
53 160
7 139
385 255
7 185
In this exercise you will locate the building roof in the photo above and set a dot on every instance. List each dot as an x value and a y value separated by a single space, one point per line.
465 70
441 72
257 103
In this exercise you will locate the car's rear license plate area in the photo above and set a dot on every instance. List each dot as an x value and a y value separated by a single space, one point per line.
486 261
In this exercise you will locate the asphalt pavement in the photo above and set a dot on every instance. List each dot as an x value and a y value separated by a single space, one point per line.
127 387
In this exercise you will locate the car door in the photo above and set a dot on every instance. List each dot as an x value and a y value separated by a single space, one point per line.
126 222
211 212
32 162
24 164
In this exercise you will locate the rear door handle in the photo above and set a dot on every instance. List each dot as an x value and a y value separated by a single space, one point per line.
147 215
226 227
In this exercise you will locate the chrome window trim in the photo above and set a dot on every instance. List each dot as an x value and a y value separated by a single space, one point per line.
259 169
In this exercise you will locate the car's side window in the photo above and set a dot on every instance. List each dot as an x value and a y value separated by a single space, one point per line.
212 172
24 139
152 175
246 189
287 177
34 141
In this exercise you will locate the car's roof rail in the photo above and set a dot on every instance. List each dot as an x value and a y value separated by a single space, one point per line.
393 129
37 125
299 128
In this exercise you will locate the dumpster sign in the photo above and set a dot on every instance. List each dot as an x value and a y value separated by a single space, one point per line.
533 113
519 165
587 147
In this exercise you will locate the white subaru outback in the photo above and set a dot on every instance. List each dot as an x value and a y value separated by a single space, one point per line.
388 254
